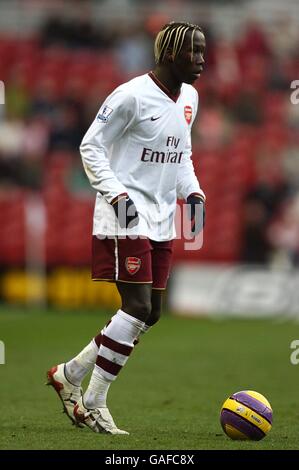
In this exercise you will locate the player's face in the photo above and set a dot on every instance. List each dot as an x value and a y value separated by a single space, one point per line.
187 67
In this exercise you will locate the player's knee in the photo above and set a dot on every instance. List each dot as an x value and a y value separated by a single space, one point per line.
144 309
140 309
154 317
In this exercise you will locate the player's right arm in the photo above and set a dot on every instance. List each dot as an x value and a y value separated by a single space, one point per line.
115 117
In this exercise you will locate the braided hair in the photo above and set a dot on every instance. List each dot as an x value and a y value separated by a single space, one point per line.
172 36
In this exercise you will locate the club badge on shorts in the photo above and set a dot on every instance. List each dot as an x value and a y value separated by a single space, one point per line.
133 264
188 114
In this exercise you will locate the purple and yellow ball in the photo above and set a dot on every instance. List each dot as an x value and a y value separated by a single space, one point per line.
246 415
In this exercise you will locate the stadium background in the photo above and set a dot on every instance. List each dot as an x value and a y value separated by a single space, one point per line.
58 61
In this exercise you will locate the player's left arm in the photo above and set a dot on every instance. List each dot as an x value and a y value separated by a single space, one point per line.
187 182
188 186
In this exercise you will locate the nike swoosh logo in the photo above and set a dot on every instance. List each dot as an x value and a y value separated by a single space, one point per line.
155 118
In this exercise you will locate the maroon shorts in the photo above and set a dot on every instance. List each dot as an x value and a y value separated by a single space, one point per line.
128 260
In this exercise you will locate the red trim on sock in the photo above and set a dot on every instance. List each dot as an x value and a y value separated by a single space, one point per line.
107 365
98 340
116 347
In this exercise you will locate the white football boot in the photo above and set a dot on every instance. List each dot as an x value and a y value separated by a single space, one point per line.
97 419
68 393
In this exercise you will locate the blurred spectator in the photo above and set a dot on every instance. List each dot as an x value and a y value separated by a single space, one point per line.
284 37
20 157
262 202
134 51
213 126
74 33
36 136
247 108
253 42
256 247
44 99
227 67
66 132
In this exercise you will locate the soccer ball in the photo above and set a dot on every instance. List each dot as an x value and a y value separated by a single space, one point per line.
246 415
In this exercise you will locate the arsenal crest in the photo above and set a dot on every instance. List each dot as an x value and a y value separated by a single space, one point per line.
188 114
133 264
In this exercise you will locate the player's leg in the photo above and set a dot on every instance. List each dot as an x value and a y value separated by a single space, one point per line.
116 346
138 301
134 284
157 298
161 255
135 299
77 368
66 378
155 314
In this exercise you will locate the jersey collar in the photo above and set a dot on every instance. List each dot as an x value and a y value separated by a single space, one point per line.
163 87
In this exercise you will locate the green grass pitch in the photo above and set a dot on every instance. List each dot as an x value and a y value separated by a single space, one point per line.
168 396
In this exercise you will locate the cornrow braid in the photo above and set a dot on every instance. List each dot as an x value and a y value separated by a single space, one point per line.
172 35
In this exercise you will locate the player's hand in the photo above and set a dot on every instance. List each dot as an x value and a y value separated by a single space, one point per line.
125 211
196 212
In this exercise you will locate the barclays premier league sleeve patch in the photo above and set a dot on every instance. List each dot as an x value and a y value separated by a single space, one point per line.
104 114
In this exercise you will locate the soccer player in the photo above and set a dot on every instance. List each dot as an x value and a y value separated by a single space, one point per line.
137 155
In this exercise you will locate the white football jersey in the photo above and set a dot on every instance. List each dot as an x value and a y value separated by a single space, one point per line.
140 143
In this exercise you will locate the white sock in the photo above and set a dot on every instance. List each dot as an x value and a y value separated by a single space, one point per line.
96 394
117 345
79 366
145 328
